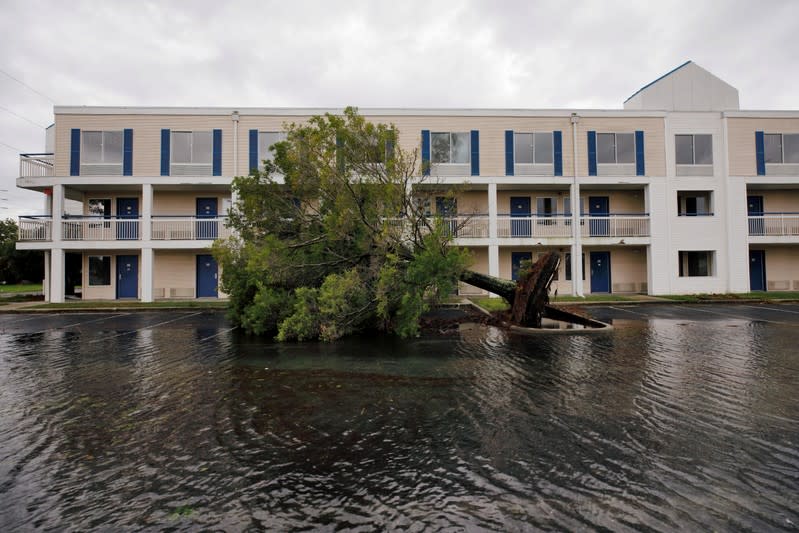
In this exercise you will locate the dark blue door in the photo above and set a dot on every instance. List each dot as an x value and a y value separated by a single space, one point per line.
206 277
754 208
600 272
520 208
599 209
447 208
127 218
127 276
207 223
757 270
516 259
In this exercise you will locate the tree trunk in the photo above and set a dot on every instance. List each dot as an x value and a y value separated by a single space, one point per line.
529 296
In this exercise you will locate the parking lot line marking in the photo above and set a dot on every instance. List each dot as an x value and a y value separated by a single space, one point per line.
739 317
626 310
145 327
773 309
217 334
81 323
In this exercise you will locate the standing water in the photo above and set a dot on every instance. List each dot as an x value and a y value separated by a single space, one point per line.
678 418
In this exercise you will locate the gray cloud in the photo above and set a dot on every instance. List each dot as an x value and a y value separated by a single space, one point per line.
476 53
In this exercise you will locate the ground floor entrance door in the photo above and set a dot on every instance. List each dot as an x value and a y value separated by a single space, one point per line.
757 270
600 272
127 276
207 274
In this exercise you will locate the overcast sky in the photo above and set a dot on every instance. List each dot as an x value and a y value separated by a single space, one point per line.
521 54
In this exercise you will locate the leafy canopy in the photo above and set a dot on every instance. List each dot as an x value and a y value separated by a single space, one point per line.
330 238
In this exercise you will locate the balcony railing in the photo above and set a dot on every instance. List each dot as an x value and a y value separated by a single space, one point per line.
533 226
98 228
468 226
36 165
774 225
615 226
35 228
189 228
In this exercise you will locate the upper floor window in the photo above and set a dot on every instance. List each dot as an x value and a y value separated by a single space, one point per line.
615 148
781 147
265 141
101 152
532 148
695 203
450 147
694 149
192 148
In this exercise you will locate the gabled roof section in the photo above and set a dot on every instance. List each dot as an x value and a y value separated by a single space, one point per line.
688 87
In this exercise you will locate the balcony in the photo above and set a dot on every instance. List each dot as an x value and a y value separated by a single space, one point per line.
774 225
511 227
99 228
615 226
168 228
36 165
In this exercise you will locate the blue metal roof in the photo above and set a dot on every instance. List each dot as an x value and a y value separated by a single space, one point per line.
669 73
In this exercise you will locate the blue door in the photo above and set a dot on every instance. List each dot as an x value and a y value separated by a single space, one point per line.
520 208
754 208
599 210
447 208
206 276
207 223
757 270
128 218
127 276
600 272
516 259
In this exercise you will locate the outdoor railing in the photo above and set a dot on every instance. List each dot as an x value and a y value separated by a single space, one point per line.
99 228
468 226
615 226
533 226
774 224
35 228
36 165
189 228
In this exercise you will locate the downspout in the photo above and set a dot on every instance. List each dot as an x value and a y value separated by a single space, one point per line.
235 117
577 255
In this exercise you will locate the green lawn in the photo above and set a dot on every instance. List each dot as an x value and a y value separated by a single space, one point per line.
491 304
593 298
770 295
27 287
108 304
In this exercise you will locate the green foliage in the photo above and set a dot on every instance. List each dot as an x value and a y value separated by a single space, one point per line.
17 265
330 239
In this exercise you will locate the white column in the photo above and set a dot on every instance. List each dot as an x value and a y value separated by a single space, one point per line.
146 211
577 245
46 280
57 275
493 247
661 259
147 263
57 211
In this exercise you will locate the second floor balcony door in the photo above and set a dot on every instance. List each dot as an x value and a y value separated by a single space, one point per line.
127 218
207 227
520 208
599 209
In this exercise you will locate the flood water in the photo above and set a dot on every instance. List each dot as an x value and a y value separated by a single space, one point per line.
681 417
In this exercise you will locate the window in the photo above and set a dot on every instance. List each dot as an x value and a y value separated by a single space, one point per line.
191 147
100 147
532 148
265 140
450 148
696 264
568 262
99 270
695 203
99 207
615 148
781 148
694 149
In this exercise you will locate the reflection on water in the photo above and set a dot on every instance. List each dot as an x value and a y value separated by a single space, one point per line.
156 421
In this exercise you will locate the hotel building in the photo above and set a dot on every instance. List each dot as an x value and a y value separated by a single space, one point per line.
678 192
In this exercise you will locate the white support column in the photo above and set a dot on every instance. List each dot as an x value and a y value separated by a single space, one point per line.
661 259
57 275
577 245
46 280
146 211
147 264
57 212
493 247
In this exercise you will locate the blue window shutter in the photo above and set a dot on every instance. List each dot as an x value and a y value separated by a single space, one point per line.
127 152
253 149
592 153
760 152
640 167
339 154
74 151
475 153
217 151
165 138
389 149
509 152
557 149
426 152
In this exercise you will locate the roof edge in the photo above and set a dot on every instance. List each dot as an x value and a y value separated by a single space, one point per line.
669 73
